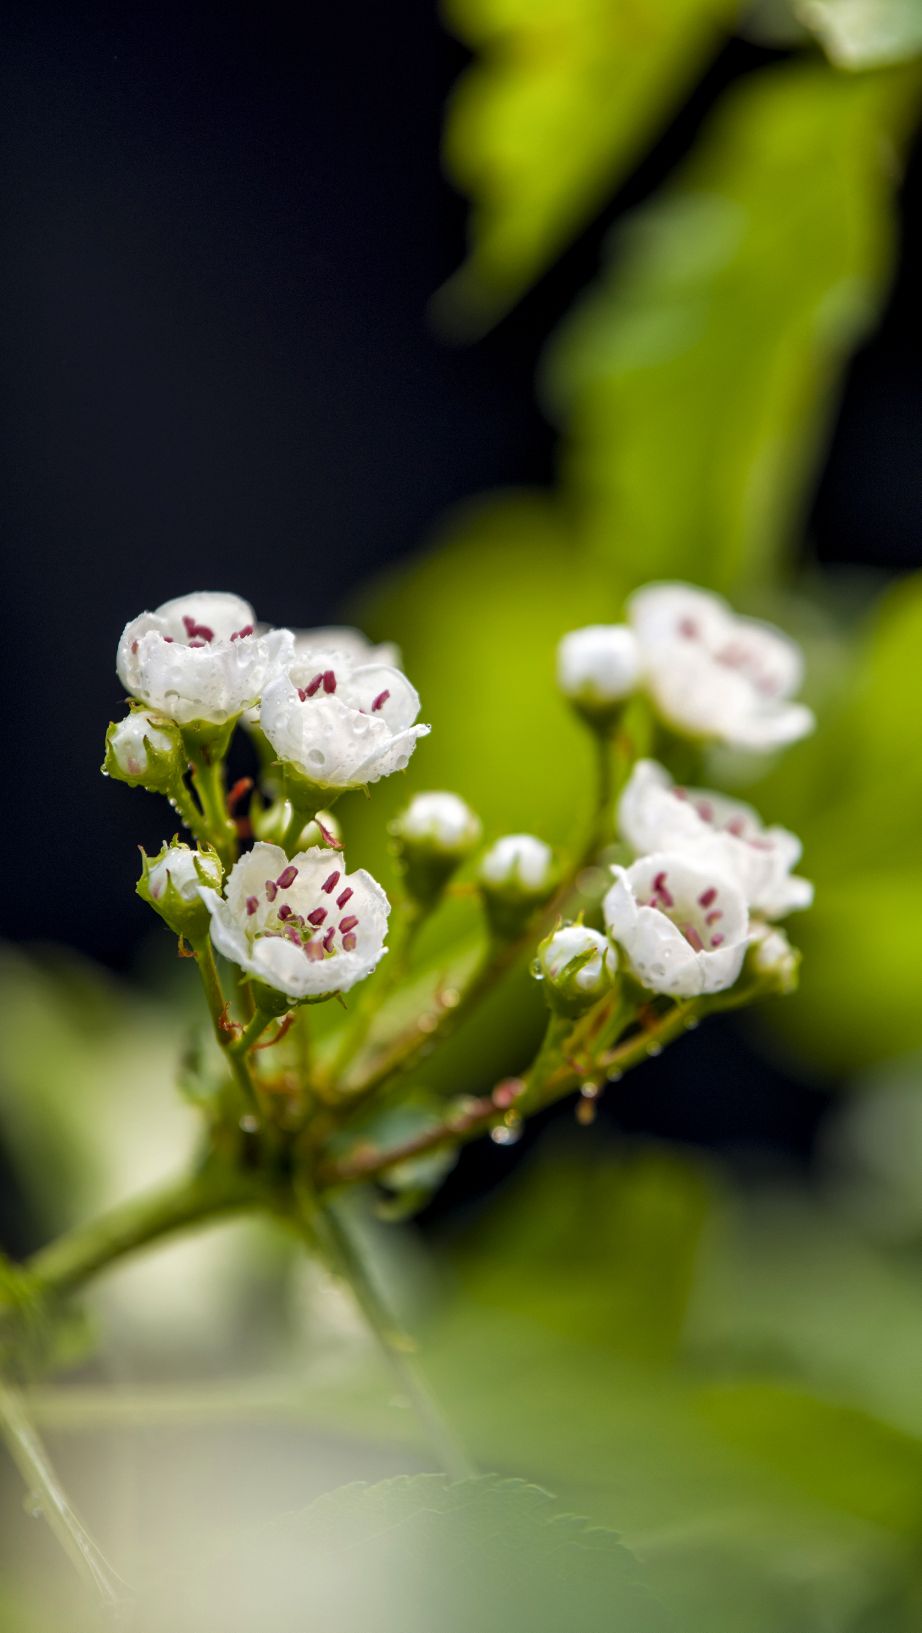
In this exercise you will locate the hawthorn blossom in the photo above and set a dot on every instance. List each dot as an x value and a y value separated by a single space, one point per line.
441 822
519 863
578 963
598 666
142 748
656 815
714 675
682 926
339 726
199 658
304 926
346 643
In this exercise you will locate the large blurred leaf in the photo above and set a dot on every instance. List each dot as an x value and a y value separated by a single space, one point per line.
864 33
414 1554
562 99
695 384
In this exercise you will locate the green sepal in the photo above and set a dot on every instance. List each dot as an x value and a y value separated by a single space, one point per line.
188 918
164 768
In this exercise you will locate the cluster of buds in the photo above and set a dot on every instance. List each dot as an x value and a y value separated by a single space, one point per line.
327 712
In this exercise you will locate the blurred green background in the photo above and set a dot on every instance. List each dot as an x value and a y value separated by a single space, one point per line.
717 1361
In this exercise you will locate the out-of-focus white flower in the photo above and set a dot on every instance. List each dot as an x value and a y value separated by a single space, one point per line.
773 958
655 815
599 666
346 643
441 821
305 927
714 675
339 727
520 862
578 965
683 927
199 659
144 749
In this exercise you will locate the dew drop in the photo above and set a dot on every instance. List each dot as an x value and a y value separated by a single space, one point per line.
249 1124
615 1076
654 1049
508 1132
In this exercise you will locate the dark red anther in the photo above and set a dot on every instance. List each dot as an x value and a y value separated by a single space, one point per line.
199 634
329 885
348 923
707 897
705 810
329 838
235 795
688 628
380 700
712 918
239 634
327 943
737 827
318 916
313 951
287 877
167 638
329 680
252 904
272 890
343 897
134 646
692 937
349 943
286 912
311 687
716 941
659 889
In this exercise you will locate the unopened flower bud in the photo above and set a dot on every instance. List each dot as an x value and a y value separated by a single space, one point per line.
578 967
171 883
772 959
145 751
598 668
517 874
432 837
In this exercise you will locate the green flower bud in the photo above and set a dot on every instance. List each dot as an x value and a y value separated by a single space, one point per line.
144 750
578 966
432 837
771 960
516 876
170 882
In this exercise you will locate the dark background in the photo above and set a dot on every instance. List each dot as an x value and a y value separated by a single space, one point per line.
223 226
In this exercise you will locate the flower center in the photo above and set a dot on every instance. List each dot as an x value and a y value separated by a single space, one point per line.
315 933
697 920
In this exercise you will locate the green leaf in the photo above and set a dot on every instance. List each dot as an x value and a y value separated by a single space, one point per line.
864 33
696 382
414 1554
562 100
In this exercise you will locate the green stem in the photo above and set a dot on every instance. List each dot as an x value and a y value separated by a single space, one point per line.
395 1345
29 1455
184 805
375 993
253 1030
297 822
217 1009
208 777
66 1264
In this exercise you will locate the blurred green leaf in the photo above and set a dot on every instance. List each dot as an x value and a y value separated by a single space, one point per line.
563 98
864 33
413 1554
696 383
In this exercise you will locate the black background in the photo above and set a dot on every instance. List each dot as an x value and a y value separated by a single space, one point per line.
222 229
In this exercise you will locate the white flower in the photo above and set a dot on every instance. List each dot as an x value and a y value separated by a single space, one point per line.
582 962
598 666
655 815
186 870
199 658
135 741
715 675
304 926
522 862
682 926
347 643
440 821
340 726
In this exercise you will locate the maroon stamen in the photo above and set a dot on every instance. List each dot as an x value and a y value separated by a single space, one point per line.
712 918
343 897
659 889
272 890
327 942
329 681
716 941
692 937
198 634
318 916
287 877
349 943
329 885
239 634
348 923
312 687
313 951
707 897
286 912
252 904
380 700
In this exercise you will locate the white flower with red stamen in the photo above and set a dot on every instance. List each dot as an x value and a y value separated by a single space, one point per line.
336 726
598 666
682 926
714 675
304 926
348 644
199 658
655 815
